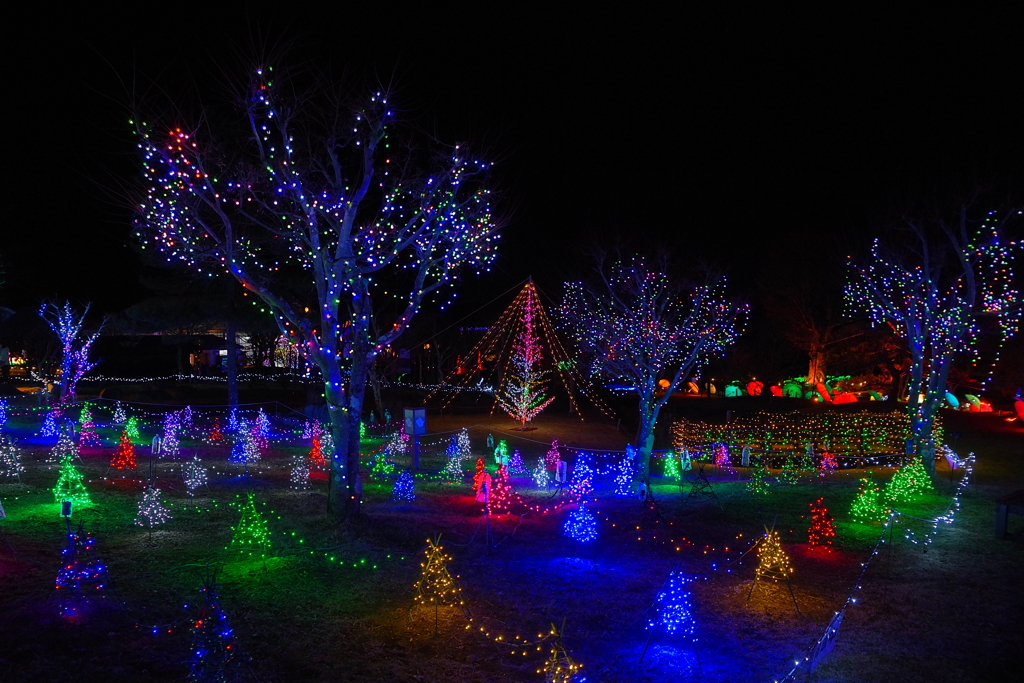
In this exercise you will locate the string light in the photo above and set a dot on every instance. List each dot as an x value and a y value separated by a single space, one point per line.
124 457
151 511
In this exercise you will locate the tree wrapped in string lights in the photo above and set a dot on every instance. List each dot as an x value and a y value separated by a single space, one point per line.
299 476
758 484
404 488
869 505
354 211
541 478
634 325
151 511
120 417
87 433
10 459
436 586
581 525
523 395
124 456
67 324
194 474
822 529
70 484
932 296
214 650
80 574
252 535
64 449
908 484
673 613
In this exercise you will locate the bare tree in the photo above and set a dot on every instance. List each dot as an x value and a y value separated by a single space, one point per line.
633 325
75 346
932 294
319 211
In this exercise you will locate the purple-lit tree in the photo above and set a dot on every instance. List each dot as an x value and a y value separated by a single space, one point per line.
634 325
328 220
523 396
932 295
74 361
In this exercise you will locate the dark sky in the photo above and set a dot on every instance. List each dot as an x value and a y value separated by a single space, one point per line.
759 143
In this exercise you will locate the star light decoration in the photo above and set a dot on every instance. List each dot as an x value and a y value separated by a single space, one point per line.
933 302
271 214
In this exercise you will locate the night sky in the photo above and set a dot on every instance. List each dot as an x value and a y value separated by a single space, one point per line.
761 144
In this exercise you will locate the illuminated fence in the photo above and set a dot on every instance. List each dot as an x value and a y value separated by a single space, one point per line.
851 436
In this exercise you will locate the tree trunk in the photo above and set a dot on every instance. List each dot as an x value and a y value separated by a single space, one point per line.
649 409
231 364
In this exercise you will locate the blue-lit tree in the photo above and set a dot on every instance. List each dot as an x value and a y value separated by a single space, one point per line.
633 325
66 323
325 217
932 295
672 611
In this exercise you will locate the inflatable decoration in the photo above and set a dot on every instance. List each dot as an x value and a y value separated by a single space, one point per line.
1018 406
733 390
952 400
823 392
776 390
843 397
755 388
974 401
791 389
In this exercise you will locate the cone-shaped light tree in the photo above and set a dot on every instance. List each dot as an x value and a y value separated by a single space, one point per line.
523 396
633 325
329 220
932 295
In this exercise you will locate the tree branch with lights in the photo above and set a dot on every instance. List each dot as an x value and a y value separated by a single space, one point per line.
632 324
932 295
319 215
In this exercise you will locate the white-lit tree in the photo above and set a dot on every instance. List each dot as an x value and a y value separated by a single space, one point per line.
328 219
632 324
932 294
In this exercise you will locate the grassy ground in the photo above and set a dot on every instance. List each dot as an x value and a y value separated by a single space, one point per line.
337 604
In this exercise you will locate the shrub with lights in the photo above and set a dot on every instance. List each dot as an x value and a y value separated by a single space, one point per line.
673 614
10 459
869 505
908 484
194 474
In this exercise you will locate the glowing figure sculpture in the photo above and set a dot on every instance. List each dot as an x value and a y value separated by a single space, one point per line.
523 395
581 525
672 611
479 477
124 457
151 509
252 535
